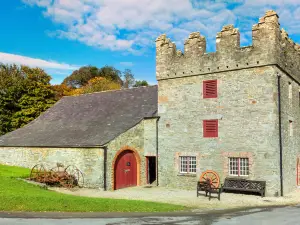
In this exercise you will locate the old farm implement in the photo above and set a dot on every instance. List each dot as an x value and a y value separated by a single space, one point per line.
67 177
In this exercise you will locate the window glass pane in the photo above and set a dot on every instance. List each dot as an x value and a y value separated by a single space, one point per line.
183 164
244 166
192 164
233 166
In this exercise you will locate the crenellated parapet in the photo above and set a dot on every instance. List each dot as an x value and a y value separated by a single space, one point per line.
195 45
228 39
270 46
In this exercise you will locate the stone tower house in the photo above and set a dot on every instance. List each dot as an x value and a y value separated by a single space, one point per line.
234 111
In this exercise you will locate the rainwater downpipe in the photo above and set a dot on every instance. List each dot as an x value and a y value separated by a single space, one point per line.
280 133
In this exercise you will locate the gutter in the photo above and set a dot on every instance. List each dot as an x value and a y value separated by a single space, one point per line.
280 134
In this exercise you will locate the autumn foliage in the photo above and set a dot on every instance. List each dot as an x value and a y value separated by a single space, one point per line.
26 92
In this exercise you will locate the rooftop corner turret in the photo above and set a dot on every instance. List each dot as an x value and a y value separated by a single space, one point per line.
165 51
228 39
266 34
195 45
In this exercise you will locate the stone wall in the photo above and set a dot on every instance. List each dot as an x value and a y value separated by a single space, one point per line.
142 140
290 105
88 160
247 113
150 136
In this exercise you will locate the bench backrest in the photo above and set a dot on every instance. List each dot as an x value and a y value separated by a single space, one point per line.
244 184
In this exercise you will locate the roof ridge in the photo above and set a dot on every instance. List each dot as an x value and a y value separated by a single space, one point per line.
98 92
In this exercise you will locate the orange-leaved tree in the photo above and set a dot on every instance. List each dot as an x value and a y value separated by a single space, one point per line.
98 84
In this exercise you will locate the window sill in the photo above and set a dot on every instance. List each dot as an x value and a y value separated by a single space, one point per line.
187 174
238 177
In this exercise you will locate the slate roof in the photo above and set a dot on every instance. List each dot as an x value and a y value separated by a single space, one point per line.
86 120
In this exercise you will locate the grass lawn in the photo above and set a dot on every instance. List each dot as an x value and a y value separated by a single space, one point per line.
17 195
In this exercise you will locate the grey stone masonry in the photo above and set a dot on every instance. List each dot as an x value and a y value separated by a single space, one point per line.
88 160
270 46
246 106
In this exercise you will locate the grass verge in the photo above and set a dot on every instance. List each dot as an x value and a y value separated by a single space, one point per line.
17 195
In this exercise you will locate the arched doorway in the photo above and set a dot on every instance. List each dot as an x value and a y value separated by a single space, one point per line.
125 171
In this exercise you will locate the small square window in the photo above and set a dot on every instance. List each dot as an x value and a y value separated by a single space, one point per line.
210 128
187 164
210 89
238 166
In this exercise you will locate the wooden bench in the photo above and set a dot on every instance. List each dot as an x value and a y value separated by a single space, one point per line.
237 184
207 188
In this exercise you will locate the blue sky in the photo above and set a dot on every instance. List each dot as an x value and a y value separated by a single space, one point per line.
62 35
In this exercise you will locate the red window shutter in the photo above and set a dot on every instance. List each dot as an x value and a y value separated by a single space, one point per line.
210 89
210 128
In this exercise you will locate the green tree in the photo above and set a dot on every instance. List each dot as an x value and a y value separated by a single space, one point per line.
11 89
24 94
140 83
81 76
37 97
111 73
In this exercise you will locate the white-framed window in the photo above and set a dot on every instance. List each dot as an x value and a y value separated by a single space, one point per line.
238 166
188 164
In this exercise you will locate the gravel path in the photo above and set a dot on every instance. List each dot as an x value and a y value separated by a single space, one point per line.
186 197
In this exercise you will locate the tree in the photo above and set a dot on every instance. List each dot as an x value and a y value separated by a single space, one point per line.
61 90
128 80
11 89
98 84
140 83
24 94
111 73
80 77
36 98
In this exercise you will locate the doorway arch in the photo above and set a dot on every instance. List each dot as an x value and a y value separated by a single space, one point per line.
126 168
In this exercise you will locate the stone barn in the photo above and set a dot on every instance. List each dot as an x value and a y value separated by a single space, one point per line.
235 111
105 135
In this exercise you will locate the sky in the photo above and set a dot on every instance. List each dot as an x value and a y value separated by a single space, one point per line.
60 36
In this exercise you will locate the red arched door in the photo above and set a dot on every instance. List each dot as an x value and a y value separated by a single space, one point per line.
125 170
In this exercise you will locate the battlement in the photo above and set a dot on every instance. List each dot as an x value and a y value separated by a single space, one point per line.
270 46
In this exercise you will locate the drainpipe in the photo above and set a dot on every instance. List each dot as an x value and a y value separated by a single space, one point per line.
104 167
280 133
157 119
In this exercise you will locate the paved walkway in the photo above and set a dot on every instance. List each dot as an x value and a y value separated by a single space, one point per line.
265 216
187 198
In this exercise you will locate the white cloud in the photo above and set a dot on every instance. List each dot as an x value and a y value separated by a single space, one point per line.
129 64
7 58
133 25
